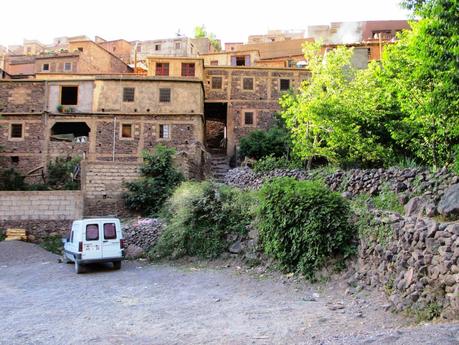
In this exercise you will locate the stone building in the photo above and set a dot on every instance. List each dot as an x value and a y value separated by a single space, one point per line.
120 48
101 118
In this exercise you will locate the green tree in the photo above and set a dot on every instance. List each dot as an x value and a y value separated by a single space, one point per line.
422 71
201 32
339 113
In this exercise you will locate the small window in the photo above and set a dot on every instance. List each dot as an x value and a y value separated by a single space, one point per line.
128 94
16 131
214 63
45 67
92 232
109 231
178 45
80 49
248 118
216 82
165 95
240 60
162 68
188 69
247 83
69 95
284 84
67 66
157 47
15 159
126 130
164 131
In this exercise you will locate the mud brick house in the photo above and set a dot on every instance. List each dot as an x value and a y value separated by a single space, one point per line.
99 117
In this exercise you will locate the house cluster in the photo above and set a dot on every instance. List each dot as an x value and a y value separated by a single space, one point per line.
109 100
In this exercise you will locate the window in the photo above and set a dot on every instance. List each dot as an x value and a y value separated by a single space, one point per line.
80 49
384 34
109 231
164 131
139 48
284 84
126 130
157 47
188 69
247 83
248 118
240 60
92 232
67 66
16 131
165 95
69 95
214 63
162 68
128 94
216 82
178 45
45 67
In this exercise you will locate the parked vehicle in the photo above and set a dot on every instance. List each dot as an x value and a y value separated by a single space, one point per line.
94 240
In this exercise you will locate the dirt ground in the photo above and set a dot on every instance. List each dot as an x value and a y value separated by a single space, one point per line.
43 301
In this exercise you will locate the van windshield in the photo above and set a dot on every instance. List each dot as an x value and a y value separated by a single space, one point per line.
92 232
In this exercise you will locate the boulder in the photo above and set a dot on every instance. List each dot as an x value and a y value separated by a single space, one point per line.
415 207
449 203
134 252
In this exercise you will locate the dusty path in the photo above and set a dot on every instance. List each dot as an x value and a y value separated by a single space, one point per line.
45 302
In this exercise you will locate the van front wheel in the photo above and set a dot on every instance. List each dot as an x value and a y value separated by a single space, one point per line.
116 265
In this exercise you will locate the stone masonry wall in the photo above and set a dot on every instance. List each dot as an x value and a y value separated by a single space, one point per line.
22 97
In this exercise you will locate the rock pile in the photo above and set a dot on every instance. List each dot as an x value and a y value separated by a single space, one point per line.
246 178
140 235
417 267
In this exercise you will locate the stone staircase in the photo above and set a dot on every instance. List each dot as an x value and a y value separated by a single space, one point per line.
219 166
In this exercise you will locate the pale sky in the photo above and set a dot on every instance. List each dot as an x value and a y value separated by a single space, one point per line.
230 20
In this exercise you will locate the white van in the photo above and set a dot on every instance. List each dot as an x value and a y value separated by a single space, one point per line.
94 240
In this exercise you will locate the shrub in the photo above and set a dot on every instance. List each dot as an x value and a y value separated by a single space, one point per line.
10 179
456 160
53 244
258 143
271 162
202 218
159 178
62 173
387 200
302 224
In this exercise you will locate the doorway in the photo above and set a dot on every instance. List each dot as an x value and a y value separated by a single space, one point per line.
215 115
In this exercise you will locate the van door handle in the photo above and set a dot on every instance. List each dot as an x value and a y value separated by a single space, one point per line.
105 241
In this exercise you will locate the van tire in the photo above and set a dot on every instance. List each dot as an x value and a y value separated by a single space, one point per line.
78 268
116 265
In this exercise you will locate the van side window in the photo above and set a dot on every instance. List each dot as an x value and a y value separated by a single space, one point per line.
92 232
109 231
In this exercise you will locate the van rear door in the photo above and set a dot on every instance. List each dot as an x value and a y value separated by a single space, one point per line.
111 247
92 241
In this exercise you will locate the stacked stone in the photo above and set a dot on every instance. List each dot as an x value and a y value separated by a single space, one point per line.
246 178
417 267
141 235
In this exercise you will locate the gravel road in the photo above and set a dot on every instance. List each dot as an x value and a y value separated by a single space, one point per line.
45 302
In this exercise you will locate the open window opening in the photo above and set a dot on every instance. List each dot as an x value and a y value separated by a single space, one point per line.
69 95
77 132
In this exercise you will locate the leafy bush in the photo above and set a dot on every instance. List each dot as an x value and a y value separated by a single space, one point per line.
159 178
302 224
202 218
387 200
2 234
456 161
10 179
260 143
62 173
53 244
271 162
